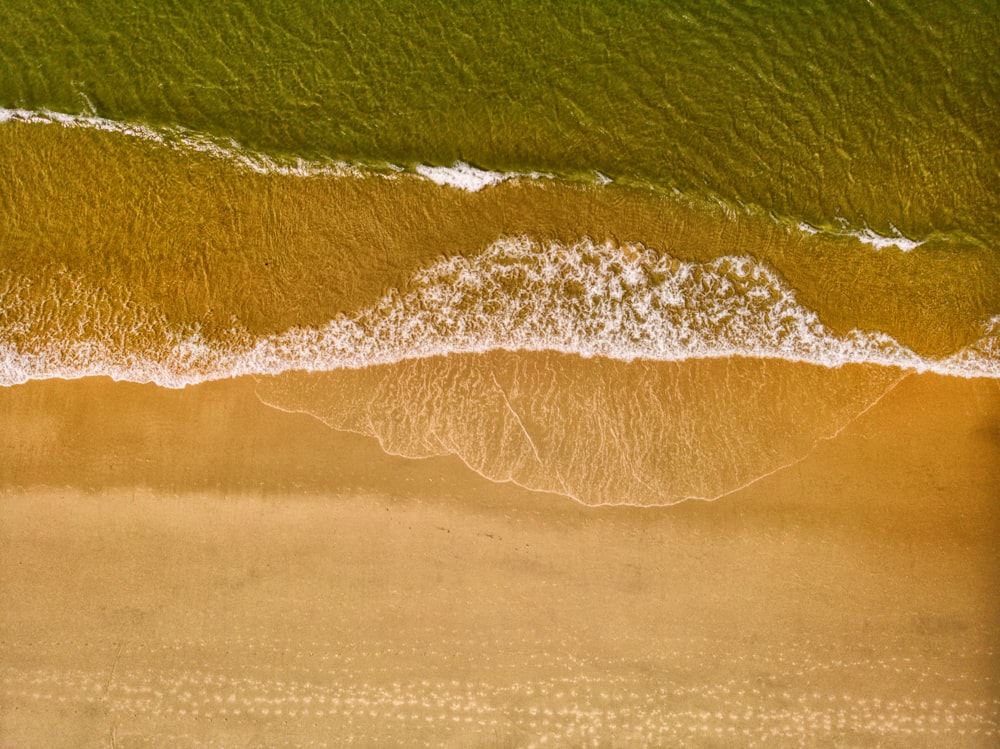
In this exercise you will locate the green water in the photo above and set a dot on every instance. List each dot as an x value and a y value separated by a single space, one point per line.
876 113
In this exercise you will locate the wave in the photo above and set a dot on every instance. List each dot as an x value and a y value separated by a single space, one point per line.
178 137
461 176
465 177
870 237
589 299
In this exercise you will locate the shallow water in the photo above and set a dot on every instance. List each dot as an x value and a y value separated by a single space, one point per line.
127 257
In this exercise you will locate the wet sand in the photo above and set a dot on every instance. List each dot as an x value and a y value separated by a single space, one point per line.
193 568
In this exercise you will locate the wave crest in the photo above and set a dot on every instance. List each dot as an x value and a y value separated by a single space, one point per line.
460 175
587 298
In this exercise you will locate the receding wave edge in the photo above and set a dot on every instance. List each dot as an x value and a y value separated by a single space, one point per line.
587 299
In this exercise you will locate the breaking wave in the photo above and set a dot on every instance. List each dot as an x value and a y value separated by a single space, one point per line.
589 299
460 176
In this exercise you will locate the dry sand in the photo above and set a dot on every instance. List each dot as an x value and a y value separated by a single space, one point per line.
193 568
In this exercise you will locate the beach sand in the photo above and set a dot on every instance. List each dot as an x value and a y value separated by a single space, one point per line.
194 568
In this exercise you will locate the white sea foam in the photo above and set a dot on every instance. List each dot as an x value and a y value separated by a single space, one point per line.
868 236
461 176
586 299
178 137
881 242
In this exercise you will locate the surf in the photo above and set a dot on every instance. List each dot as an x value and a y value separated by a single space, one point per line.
593 300
459 175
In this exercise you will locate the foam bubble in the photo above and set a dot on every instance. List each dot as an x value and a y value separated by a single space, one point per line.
867 236
586 299
881 242
462 176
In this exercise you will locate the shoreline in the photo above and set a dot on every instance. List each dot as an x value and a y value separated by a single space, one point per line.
38 405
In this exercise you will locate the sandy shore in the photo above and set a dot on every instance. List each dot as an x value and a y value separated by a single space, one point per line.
193 568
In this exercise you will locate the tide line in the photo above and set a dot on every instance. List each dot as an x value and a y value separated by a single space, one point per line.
585 299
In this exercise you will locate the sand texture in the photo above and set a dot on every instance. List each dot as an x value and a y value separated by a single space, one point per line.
194 568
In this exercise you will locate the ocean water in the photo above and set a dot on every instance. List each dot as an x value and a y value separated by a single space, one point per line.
872 112
796 194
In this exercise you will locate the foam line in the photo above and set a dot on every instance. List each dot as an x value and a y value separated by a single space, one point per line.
461 176
881 242
867 236
586 299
